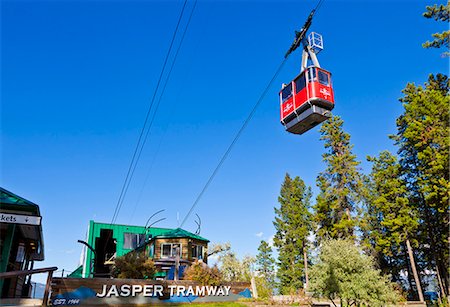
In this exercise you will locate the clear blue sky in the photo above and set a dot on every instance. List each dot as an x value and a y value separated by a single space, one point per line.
77 78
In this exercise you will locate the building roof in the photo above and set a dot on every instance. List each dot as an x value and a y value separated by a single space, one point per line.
180 233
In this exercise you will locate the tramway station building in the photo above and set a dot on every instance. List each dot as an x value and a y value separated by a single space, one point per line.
167 247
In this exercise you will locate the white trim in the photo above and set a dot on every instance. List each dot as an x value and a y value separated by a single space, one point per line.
171 244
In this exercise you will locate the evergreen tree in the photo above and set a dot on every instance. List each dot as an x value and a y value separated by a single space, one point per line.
340 184
392 220
438 13
265 262
423 140
292 224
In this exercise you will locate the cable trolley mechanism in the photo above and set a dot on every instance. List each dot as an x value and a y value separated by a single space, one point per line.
307 100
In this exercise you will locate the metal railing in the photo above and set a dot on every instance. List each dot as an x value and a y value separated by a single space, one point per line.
49 270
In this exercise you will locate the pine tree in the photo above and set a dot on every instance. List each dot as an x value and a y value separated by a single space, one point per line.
393 220
292 224
340 184
423 140
438 13
265 262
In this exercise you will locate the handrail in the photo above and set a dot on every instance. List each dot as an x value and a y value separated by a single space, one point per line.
27 272
49 270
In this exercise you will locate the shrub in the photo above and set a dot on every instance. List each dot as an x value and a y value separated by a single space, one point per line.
263 287
203 274
344 273
133 265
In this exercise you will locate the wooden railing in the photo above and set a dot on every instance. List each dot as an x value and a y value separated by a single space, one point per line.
49 270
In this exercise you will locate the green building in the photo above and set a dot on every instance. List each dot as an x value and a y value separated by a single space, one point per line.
105 242
21 242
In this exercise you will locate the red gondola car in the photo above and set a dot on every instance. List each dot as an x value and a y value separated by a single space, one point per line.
307 100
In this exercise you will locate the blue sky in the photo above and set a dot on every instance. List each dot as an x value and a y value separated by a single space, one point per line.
77 78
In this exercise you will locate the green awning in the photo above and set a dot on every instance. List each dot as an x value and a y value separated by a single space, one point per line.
11 201
77 273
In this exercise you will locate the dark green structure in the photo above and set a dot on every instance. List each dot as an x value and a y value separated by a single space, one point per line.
21 242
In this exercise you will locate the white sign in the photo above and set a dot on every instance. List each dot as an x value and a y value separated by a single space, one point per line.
20 219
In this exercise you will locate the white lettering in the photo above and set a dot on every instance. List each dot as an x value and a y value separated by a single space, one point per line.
135 289
220 291
227 290
190 291
172 288
180 290
200 291
112 291
103 292
73 302
211 290
125 290
59 301
147 291
158 289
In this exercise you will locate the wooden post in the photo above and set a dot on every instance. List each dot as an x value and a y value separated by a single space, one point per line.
177 264
254 289
47 289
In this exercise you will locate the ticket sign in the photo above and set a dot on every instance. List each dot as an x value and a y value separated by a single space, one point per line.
20 219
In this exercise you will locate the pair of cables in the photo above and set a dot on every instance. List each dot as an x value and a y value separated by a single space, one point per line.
154 105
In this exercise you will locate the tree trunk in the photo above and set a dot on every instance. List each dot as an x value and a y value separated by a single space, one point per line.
414 270
408 270
444 278
441 286
305 260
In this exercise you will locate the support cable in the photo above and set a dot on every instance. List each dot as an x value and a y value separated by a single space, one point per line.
140 143
236 138
252 112
156 110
